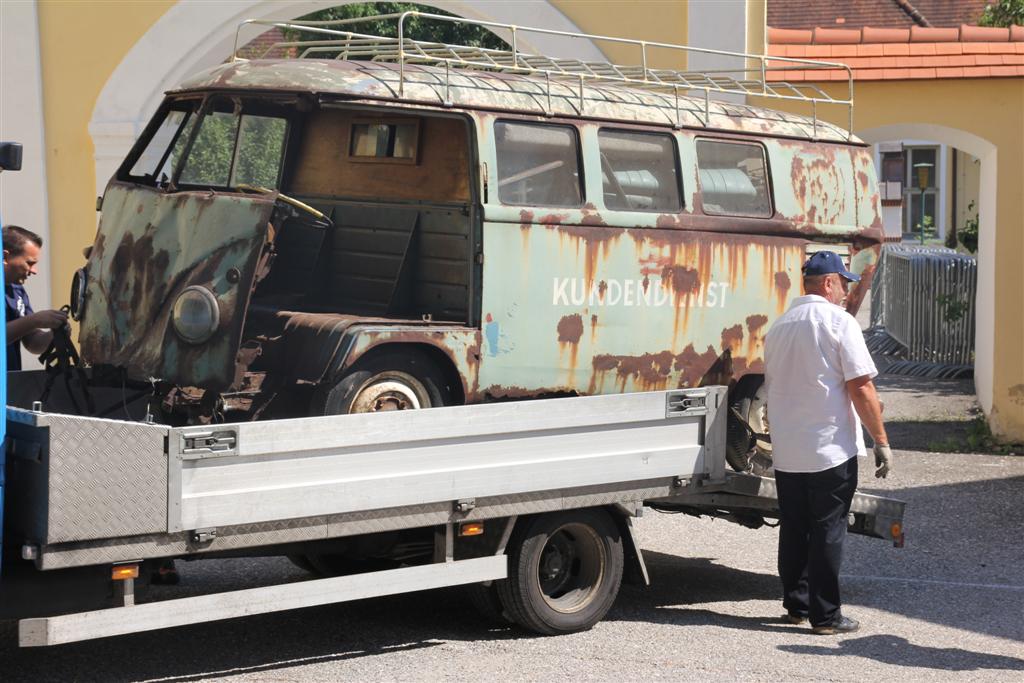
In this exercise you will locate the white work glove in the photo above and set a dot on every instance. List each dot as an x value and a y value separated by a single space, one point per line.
883 459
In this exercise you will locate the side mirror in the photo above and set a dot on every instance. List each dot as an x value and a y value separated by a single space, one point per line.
10 156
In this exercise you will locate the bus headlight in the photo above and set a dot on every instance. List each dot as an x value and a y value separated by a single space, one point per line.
196 314
77 301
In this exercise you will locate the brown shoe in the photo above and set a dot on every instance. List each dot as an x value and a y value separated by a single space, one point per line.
794 617
842 625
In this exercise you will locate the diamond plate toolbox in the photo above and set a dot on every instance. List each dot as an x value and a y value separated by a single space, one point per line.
82 479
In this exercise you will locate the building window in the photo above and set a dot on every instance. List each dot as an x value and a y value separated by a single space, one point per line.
920 206
892 177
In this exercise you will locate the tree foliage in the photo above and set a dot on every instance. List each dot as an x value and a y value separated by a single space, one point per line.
259 151
1003 13
418 28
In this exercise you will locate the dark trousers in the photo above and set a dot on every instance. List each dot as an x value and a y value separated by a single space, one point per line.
812 515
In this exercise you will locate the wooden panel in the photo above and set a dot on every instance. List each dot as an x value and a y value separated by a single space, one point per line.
325 169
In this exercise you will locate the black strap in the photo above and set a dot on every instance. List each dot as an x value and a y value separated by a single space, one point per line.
61 359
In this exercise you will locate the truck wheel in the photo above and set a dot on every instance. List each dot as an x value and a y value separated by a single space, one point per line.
391 380
564 571
748 402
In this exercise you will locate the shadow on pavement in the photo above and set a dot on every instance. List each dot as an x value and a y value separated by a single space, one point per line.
899 651
680 585
928 436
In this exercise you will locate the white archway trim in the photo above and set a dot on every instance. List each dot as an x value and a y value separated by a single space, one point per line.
193 36
985 320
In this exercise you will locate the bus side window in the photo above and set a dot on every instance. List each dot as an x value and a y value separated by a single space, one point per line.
538 164
639 171
733 179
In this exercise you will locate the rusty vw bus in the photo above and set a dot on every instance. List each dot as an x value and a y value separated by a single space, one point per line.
444 225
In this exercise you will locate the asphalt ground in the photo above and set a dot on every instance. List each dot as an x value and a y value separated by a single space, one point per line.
948 606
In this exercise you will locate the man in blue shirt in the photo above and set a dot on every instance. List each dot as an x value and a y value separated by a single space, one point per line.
24 326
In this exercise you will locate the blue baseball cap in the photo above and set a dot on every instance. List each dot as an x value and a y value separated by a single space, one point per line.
825 262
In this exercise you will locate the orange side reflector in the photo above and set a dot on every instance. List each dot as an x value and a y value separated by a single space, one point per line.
896 530
124 571
471 529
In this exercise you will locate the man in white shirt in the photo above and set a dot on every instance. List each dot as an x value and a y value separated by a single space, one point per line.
818 374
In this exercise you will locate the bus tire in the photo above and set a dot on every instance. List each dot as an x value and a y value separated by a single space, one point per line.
564 571
390 380
743 452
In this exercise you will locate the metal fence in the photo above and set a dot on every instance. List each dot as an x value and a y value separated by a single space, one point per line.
922 310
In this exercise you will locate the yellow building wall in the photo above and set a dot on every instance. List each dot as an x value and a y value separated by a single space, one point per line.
652 20
81 43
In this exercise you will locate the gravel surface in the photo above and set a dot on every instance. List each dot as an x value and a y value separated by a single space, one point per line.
948 606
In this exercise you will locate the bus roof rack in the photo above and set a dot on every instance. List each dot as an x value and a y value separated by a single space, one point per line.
758 76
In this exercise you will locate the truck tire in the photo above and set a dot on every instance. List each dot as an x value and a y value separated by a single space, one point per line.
390 380
744 452
564 571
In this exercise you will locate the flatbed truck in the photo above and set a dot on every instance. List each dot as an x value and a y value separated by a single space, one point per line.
529 502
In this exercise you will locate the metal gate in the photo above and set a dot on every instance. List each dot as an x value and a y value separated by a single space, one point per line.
923 310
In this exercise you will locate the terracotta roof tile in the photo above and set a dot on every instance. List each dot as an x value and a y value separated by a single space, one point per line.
919 34
977 72
885 35
835 35
901 53
895 49
989 34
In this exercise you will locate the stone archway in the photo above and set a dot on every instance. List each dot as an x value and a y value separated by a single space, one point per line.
192 36
986 152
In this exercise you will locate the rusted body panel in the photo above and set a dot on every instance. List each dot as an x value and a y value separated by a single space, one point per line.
508 92
601 310
151 246
316 347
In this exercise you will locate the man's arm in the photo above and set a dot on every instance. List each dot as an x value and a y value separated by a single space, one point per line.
869 408
34 329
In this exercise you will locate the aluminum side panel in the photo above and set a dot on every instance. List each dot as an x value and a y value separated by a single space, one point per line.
97 478
308 467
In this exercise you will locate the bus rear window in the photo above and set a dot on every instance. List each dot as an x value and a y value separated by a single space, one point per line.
638 171
538 164
733 179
